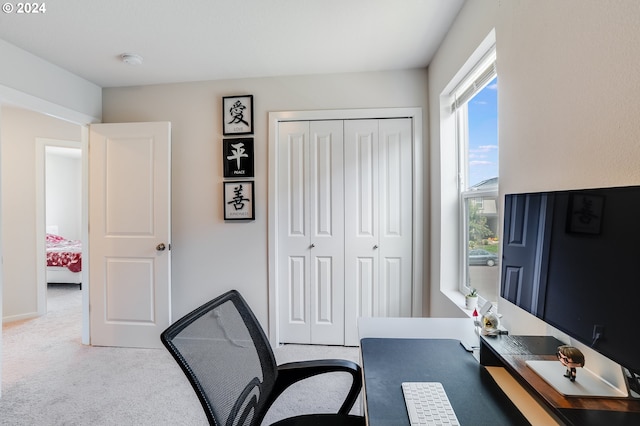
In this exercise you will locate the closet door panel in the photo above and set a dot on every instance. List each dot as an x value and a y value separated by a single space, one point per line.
296 185
362 296
364 287
297 294
365 201
326 213
325 291
321 180
293 233
391 294
396 233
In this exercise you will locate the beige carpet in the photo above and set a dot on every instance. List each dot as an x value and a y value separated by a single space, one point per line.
50 378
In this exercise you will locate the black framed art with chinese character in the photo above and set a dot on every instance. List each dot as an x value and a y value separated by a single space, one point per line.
237 155
585 213
237 115
238 200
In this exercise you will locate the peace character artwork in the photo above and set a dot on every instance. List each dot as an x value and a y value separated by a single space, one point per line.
237 156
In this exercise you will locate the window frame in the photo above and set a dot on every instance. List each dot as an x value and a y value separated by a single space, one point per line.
483 72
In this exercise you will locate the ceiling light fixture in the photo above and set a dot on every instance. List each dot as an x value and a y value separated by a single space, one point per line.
131 58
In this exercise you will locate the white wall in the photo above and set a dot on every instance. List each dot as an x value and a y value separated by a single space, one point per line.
568 105
18 134
63 176
209 255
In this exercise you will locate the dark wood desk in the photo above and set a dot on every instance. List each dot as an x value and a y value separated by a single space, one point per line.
494 351
474 395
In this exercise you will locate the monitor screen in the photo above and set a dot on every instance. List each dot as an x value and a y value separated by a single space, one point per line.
572 258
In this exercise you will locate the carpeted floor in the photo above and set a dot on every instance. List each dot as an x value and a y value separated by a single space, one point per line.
50 378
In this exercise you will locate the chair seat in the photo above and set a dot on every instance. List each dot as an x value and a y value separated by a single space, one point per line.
322 420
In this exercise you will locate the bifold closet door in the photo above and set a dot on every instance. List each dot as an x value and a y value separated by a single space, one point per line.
378 223
311 232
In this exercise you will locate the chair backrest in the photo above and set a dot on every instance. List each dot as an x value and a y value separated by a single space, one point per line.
224 352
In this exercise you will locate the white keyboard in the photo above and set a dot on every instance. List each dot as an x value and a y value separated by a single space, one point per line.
428 404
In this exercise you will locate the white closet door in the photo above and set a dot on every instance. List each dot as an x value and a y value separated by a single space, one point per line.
396 206
311 232
378 226
327 232
361 224
293 226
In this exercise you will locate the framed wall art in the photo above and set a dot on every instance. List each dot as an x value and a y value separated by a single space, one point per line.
237 156
585 214
238 200
237 115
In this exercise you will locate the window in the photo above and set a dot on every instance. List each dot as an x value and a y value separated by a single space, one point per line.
474 105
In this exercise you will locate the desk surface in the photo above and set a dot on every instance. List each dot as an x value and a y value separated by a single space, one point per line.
420 328
387 362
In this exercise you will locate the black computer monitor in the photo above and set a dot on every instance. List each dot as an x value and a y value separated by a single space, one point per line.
572 259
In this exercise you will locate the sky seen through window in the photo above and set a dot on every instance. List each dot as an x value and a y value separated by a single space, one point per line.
483 134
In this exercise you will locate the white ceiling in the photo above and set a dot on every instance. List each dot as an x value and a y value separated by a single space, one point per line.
220 39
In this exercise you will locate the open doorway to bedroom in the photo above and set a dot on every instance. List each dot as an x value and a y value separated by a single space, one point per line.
60 176
63 214
63 219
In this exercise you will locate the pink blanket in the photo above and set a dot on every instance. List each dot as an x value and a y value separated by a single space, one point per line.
63 252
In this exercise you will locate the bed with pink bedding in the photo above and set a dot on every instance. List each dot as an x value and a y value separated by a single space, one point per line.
64 260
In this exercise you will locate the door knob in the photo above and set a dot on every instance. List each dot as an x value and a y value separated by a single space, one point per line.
375 247
161 247
312 246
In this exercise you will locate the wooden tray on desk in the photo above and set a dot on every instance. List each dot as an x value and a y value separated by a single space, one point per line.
574 410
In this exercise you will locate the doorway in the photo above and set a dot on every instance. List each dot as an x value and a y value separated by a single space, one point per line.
63 220
61 211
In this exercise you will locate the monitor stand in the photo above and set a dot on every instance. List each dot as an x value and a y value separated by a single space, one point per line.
586 384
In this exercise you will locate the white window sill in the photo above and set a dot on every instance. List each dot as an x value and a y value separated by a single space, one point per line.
457 298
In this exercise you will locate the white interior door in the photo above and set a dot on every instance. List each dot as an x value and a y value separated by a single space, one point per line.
326 208
311 237
361 228
395 221
129 233
294 238
378 228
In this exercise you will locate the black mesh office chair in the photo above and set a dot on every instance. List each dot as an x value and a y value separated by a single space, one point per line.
224 352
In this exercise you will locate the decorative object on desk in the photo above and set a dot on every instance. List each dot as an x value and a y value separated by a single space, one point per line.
571 357
238 200
238 157
237 115
471 299
490 324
